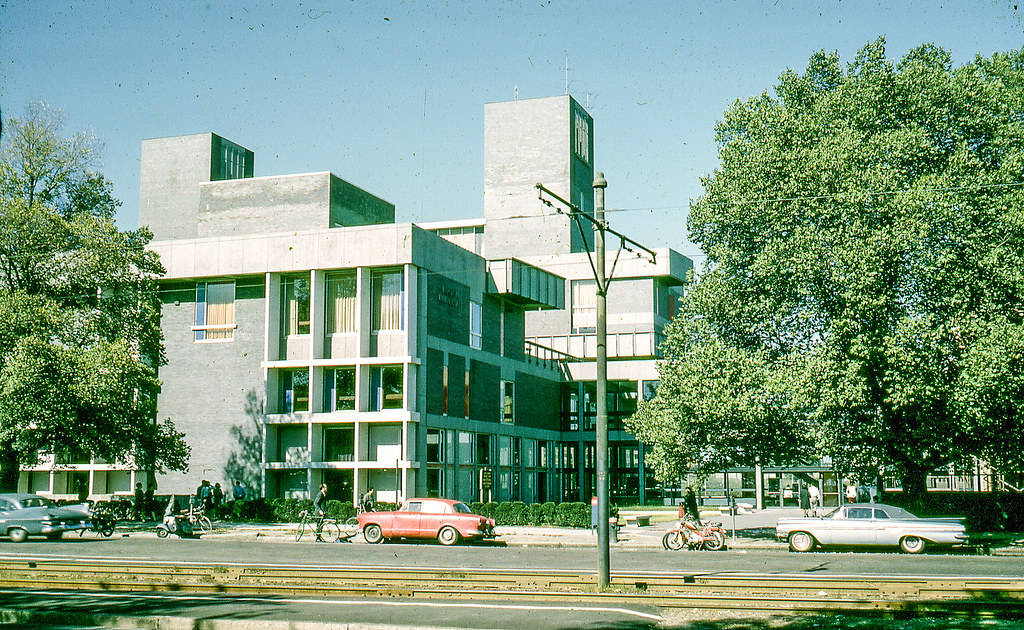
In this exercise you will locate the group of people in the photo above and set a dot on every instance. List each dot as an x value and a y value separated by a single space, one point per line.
208 496
810 499
211 496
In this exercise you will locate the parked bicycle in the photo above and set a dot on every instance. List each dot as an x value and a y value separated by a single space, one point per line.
198 520
690 535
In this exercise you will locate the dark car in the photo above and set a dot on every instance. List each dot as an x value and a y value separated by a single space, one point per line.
24 515
444 519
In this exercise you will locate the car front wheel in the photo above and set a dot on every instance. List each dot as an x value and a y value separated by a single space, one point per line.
912 544
448 535
17 534
372 534
801 542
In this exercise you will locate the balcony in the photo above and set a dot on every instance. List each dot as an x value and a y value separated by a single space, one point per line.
583 347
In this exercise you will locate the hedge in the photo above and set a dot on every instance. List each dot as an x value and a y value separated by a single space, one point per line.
509 513
984 511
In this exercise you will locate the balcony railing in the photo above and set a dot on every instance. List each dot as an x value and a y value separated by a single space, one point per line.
583 347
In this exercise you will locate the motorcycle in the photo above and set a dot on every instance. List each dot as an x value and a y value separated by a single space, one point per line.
710 536
100 521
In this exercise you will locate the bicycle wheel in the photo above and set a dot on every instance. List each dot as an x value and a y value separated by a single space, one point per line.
203 524
302 528
329 532
350 527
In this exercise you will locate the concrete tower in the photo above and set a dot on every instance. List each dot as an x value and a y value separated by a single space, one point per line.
544 140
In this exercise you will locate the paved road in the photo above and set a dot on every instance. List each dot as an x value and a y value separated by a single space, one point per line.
248 551
218 612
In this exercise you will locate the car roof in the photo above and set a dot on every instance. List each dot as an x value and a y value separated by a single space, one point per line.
20 495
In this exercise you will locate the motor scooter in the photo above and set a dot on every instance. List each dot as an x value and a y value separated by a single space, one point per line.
178 525
688 534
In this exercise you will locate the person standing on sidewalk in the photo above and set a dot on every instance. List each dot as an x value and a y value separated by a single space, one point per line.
140 501
690 503
805 499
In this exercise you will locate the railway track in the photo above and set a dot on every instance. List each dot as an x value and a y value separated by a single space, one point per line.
997 596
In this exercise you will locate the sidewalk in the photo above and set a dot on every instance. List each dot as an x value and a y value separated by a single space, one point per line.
753 530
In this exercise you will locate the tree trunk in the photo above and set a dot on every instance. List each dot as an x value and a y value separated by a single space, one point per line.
915 487
10 470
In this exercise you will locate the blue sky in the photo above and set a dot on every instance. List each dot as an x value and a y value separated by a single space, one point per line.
390 95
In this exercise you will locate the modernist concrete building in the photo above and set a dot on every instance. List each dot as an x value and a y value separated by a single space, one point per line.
311 338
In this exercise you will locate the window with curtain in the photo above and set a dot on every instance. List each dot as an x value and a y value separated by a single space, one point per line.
341 303
215 311
388 289
508 401
584 306
295 291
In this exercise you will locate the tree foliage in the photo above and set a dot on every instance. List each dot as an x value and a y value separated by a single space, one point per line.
80 341
862 295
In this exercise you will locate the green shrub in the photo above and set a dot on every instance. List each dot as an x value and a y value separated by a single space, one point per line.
572 514
548 512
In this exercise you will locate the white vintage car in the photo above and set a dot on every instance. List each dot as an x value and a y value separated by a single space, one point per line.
870 524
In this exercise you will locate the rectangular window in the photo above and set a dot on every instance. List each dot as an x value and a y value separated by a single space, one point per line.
435 446
340 389
339 444
388 292
466 392
444 382
475 325
295 291
483 449
465 448
215 311
386 387
584 306
295 390
508 401
341 303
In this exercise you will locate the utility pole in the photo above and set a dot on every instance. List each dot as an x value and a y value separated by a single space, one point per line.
602 280
603 512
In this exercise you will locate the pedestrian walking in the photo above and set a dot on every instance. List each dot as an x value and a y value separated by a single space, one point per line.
805 499
218 495
815 496
851 493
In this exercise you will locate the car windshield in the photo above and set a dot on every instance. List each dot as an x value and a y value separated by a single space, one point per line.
462 507
34 502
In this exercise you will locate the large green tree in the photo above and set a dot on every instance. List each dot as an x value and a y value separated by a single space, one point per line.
80 338
863 296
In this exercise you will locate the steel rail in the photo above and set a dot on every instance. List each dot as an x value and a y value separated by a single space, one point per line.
923 595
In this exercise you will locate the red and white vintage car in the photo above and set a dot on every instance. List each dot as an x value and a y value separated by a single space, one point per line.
444 519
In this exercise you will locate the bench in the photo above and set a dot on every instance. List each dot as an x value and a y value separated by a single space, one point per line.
640 520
